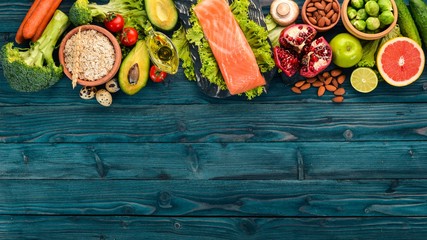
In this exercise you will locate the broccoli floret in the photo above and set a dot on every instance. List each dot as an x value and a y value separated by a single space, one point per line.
33 69
133 11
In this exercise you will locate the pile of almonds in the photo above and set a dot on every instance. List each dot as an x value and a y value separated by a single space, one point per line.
322 13
327 81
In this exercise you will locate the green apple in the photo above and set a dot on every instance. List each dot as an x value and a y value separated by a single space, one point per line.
346 50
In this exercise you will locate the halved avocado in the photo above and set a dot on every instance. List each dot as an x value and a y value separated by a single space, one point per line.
162 14
133 73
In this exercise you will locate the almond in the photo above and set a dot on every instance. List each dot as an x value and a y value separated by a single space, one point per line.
330 88
299 84
328 80
317 84
319 5
335 83
321 91
338 99
305 86
339 91
311 80
296 90
341 79
335 6
336 72
311 9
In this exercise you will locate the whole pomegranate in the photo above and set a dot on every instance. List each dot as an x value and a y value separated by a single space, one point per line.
300 51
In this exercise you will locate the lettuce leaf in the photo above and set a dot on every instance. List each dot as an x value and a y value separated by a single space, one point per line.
180 41
256 35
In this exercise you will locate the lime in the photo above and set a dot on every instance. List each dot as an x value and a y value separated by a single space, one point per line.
363 79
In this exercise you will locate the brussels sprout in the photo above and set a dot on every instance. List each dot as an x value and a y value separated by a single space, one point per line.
372 23
385 5
357 3
360 25
351 13
361 14
386 18
372 8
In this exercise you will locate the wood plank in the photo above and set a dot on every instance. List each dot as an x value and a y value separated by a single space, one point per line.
285 198
147 161
214 123
233 161
204 228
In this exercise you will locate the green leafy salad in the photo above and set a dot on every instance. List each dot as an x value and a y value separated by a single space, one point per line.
256 35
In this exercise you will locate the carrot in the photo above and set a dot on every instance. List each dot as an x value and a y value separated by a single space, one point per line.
34 21
19 38
46 20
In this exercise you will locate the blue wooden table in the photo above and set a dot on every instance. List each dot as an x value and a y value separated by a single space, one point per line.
172 163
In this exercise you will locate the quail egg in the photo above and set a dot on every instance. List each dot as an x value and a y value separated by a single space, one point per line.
87 92
112 86
104 97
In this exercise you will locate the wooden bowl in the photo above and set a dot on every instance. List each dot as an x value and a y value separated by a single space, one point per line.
362 35
319 29
117 56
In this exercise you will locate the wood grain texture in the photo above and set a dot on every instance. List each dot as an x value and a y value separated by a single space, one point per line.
214 123
215 161
204 228
285 198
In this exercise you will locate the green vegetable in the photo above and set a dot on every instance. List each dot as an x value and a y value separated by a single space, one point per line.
274 30
360 25
406 22
385 5
183 47
418 9
372 8
369 51
256 36
357 3
372 23
386 18
395 32
361 14
33 69
351 12
82 12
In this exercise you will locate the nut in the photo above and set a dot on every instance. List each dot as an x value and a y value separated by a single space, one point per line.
321 91
296 90
339 91
338 99
336 72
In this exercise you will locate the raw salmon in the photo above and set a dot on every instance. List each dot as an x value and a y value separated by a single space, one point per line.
228 43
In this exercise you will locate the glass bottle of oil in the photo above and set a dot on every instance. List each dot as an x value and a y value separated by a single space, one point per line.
163 52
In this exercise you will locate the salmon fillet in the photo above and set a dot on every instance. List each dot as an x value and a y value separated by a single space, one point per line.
232 52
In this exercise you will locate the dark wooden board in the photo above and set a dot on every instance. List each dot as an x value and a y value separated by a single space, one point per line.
215 161
172 163
205 228
272 198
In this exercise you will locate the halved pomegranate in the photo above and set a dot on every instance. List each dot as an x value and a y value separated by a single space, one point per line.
316 59
299 51
297 36
287 60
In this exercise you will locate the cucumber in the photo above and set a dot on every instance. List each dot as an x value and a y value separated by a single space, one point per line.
418 9
406 22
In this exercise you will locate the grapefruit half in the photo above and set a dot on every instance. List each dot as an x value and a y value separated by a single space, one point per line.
400 61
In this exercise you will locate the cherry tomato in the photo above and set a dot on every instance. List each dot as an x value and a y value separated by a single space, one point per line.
114 23
129 36
156 75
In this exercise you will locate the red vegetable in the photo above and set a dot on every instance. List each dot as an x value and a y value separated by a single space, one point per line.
156 75
129 36
114 23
